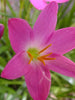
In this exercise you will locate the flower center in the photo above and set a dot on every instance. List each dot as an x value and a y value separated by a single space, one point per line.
33 53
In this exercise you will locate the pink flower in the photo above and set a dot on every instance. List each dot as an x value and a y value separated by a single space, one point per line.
1 30
40 50
41 4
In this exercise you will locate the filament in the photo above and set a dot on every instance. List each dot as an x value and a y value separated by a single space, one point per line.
49 58
47 55
40 59
45 48
31 57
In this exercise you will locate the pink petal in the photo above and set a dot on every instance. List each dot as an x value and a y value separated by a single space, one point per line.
62 65
58 1
46 22
38 4
37 83
62 41
1 30
16 67
20 33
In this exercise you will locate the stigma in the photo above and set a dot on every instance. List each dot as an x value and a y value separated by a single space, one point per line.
35 54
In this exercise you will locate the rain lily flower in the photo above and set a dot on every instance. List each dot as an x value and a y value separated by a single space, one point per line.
40 50
41 4
1 30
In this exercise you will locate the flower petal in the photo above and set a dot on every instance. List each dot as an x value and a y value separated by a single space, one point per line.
62 65
46 22
58 1
1 30
16 67
38 85
39 4
62 41
20 33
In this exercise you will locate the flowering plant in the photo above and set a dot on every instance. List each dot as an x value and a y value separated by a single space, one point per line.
40 50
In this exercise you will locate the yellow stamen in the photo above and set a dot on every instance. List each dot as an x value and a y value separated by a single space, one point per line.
31 57
29 53
46 55
45 48
49 58
30 60
41 60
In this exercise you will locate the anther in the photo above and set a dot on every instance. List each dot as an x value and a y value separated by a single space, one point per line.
40 59
45 48
49 58
31 57
47 55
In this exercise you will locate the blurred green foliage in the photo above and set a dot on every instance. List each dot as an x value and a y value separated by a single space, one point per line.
62 87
